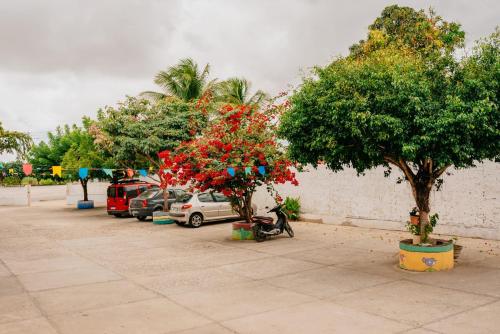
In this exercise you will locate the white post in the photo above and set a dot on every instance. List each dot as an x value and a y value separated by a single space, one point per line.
28 188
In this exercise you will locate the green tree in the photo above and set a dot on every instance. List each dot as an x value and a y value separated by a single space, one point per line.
73 148
399 105
135 131
183 81
14 141
237 91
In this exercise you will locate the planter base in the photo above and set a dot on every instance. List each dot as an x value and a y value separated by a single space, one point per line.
242 231
162 218
85 204
420 258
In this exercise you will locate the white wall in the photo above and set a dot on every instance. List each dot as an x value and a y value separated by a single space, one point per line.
18 195
468 202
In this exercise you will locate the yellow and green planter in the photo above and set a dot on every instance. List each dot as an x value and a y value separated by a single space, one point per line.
242 231
162 218
426 258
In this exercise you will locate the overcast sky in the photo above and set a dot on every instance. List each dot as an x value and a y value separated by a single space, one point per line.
60 60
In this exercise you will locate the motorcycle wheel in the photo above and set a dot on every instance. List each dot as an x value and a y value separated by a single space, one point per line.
289 230
257 234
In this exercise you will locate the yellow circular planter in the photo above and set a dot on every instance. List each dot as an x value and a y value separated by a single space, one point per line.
421 258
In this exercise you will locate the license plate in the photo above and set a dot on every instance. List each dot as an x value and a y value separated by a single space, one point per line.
174 209
113 207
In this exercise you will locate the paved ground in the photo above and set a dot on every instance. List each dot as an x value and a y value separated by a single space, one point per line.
69 271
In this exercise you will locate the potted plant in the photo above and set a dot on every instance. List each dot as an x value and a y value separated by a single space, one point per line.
292 208
414 216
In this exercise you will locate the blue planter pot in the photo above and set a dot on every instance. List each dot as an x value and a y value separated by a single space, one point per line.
85 204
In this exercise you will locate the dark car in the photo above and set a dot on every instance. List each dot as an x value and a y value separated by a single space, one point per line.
121 192
151 200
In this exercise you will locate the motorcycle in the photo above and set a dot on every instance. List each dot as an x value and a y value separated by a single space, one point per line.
264 227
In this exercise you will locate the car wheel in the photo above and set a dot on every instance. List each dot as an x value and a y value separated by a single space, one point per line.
141 218
196 220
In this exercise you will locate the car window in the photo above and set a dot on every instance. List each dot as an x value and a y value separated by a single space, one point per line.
149 194
131 191
220 198
205 197
184 198
111 192
171 194
143 189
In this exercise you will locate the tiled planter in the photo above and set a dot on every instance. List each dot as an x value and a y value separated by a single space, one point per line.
85 204
242 231
422 258
162 218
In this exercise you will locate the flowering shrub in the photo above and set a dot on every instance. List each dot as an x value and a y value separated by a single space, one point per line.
236 153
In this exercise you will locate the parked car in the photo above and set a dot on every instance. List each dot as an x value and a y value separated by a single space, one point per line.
152 200
121 192
195 209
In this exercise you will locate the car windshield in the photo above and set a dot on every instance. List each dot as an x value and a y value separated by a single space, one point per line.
148 194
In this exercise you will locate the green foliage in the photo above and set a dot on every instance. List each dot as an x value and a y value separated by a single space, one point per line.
292 208
237 91
429 228
14 141
135 131
405 103
29 180
183 81
11 181
408 28
47 182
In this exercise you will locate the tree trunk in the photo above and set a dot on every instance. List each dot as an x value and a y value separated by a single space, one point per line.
165 200
83 182
247 208
421 193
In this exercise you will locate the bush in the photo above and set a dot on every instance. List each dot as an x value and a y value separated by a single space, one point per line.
11 181
29 180
47 182
292 208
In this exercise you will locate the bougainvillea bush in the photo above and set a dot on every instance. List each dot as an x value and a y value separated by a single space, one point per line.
235 154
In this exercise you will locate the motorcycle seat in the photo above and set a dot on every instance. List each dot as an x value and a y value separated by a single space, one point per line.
262 220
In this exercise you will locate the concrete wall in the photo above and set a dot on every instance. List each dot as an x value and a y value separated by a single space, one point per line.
19 195
468 202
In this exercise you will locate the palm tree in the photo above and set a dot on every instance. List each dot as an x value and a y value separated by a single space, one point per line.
14 141
237 91
183 81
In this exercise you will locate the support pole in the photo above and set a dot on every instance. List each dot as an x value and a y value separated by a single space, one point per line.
28 190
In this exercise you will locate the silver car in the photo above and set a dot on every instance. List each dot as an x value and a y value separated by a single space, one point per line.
194 209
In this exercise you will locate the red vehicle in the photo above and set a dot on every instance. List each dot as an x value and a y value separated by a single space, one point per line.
120 194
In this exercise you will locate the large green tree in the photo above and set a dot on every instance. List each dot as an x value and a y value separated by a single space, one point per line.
184 81
71 147
398 102
14 142
136 130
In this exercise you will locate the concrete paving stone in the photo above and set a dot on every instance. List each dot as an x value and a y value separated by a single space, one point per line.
90 296
172 283
208 329
409 302
420 331
17 307
25 242
154 316
317 317
327 282
35 253
339 255
479 320
32 326
480 280
238 300
46 264
9 285
269 267
4 271
68 277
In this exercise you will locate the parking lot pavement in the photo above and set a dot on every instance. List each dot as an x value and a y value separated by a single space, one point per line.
72 271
